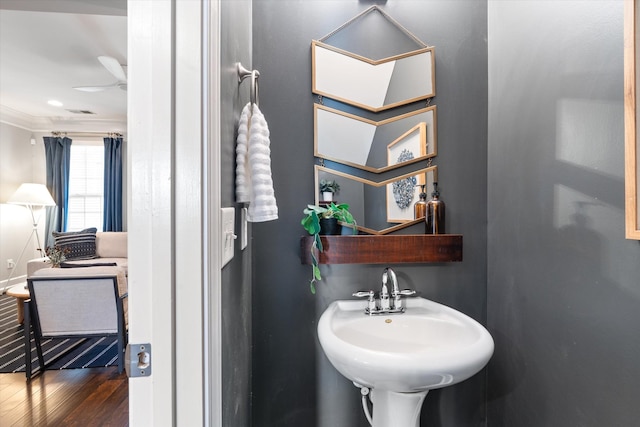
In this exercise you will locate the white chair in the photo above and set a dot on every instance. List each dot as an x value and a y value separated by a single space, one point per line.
83 305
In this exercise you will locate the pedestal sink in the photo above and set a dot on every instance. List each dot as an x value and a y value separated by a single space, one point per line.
400 357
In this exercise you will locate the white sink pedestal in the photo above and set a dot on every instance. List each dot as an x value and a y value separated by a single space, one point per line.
393 409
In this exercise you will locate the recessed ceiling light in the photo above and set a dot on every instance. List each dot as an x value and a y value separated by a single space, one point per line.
54 103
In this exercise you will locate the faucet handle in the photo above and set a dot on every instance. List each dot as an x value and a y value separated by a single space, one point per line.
361 294
371 300
397 298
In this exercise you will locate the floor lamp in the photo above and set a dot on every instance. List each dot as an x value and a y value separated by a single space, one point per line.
32 196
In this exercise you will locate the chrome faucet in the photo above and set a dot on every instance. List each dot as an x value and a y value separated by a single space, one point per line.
389 303
384 292
395 293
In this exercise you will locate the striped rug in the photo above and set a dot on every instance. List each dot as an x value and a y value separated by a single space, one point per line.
58 353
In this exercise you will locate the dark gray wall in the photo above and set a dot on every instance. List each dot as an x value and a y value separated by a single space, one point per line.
236 276
563 283
293 383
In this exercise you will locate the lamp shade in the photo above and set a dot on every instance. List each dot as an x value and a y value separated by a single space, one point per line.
29 194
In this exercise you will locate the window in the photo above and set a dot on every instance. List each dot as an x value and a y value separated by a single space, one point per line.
86 187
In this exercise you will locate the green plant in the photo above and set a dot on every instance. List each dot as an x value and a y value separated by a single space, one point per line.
311 222
330 186
339 212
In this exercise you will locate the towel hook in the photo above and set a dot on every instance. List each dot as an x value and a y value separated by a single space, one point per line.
243 73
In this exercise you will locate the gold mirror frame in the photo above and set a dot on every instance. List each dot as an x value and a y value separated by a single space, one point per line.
351 140
374 85
384 203
631 117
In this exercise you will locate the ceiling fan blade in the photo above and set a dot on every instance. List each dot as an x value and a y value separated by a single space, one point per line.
96 88
113 66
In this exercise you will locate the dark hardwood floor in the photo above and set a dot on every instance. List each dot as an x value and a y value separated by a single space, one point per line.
71 397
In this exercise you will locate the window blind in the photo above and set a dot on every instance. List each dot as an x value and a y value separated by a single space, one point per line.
86 187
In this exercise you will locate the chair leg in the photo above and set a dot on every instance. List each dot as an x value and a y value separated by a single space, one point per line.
122 342
120 353
26 325
122 336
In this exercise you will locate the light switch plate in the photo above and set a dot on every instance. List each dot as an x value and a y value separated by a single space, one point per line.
227 234
244 229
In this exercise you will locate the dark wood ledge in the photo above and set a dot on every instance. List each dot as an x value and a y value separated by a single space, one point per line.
386 249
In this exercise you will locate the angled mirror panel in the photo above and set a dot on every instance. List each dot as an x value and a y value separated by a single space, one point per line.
373 34
379 207
370 145
374 85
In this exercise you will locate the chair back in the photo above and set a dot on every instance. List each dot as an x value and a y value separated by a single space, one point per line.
64 307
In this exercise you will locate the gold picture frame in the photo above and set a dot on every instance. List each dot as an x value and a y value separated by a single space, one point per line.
631 118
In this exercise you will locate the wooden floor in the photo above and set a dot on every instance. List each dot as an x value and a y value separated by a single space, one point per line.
71 397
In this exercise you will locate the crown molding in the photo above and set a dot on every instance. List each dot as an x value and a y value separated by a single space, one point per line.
62 124
16 118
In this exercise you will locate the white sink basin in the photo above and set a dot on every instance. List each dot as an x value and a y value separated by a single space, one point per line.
428 346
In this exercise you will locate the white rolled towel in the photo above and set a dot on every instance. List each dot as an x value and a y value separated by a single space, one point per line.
243 174
262 205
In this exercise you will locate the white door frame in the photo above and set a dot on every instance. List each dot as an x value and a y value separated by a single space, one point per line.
173 210
211 222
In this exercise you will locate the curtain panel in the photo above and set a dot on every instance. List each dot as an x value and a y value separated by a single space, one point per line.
57 156
112 216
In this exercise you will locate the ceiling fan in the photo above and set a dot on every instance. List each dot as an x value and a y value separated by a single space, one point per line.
113 66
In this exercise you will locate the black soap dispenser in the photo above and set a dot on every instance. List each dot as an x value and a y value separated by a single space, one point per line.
435 217
420 207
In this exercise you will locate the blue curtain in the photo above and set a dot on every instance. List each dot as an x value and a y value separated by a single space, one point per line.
112 217
57 154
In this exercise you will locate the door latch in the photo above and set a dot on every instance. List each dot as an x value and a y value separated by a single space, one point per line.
137 358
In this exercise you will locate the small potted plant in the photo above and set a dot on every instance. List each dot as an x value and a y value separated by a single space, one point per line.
328 187
317 221
57 255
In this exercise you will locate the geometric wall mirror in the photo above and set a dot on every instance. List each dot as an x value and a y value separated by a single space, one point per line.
374 146
372 85
379 207
373 62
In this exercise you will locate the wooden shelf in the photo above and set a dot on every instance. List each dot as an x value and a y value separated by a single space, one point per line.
386 249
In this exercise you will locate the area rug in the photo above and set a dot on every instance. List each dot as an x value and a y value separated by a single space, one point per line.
58 353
